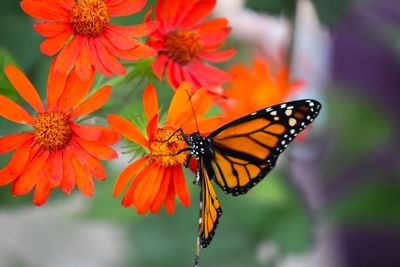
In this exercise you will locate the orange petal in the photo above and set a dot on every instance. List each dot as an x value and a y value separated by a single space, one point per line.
34 152
159 64
169 74
128 174
75 90
42 188
6 177
212 26
177 73
83 179
124 7
127 200
42 10
55 86
18 160
123 54
201 104
13 141
28 179
87 132
179 99
66 4
83 66
162 192
155 188
142 50
68 174
13 112
171 8
187 76
146 190
95 58
53 45
217 56
55 173
93 103
126 129
68 55
180 186
206 125
89 162
51 29
201 10
141 30
118 38
108 136
152 127
150 102
108 59
211 72
97 149
24 87
169 201
159 13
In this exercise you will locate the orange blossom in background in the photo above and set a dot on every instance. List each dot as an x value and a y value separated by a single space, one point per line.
81 34
183 44
57 152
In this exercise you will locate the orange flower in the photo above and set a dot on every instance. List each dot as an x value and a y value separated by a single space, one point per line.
255 88
154 179
57 152
182 43
81 34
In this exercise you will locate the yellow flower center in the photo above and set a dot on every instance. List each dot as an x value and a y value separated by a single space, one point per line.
89 17
165 147
52 130
182 46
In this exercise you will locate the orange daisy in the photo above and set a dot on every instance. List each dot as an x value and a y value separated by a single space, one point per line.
255 88
57 152
81 34
154 179
183 43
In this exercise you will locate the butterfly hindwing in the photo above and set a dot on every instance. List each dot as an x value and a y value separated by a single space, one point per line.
210 209
246 149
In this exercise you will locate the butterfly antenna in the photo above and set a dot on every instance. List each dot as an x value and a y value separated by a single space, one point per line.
194 114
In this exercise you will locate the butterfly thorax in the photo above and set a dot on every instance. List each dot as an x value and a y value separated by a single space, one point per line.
200 146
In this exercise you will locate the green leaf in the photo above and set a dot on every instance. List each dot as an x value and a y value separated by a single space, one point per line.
6 88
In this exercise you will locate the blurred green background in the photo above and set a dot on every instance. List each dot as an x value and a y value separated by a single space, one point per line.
331 201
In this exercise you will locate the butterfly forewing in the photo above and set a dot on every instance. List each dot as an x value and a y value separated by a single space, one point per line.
246 149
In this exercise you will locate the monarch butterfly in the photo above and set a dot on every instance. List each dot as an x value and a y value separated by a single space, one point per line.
240 154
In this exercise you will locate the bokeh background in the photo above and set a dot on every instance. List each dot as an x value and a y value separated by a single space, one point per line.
332 201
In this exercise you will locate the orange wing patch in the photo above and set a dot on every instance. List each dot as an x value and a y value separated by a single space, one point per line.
244 128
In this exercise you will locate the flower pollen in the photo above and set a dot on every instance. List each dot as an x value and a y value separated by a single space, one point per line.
52 130
89 17
165 146
182 46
